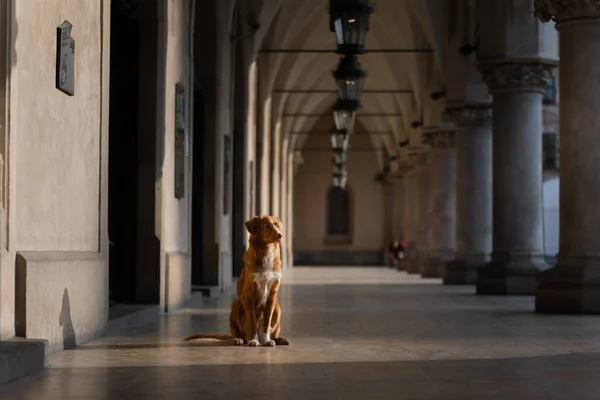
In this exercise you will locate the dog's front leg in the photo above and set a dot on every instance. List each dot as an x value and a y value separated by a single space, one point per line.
253 326
265 332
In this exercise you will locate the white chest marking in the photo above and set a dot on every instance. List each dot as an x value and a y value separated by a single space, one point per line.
265 279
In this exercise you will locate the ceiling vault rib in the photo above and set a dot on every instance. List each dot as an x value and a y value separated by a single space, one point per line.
350 150
299 91
329 133
357 115
330 52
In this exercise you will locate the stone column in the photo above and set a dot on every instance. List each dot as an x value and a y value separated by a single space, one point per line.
394 209
443 201
517 87
473 132
573 285
409 238
422 212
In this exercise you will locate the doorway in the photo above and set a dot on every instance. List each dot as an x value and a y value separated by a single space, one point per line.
238 214
134 261
198 188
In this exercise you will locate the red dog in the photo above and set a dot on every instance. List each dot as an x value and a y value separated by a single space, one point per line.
255 317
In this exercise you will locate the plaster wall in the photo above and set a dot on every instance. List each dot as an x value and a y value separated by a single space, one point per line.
57 167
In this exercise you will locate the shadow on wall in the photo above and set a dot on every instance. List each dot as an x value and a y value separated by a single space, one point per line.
65 321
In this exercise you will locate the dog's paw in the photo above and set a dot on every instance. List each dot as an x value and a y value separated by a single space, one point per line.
282 341
238 342
265 338
270 343
253 343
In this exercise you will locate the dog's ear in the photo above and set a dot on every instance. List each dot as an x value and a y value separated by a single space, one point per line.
253 225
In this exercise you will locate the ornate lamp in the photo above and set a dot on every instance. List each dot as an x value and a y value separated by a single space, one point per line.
339 179
349 19
340 155
340 139
349 78
344 116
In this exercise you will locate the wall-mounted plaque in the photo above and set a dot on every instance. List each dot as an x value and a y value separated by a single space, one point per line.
65 59
227 174
180 141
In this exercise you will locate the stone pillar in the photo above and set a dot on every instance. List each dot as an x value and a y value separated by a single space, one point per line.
517 87
473 192
393 210
422 212
573 285
443 201
409 238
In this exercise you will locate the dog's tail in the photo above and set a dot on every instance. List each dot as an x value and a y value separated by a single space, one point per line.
209 336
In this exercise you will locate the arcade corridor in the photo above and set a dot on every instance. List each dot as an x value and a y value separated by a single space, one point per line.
357 333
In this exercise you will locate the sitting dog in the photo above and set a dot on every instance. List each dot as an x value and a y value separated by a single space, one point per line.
255 317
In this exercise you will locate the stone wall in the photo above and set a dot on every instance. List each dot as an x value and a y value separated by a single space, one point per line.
55 235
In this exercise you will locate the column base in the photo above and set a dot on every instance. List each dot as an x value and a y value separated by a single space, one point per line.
515 276
415 264
568 290
462 271
435 264
403 264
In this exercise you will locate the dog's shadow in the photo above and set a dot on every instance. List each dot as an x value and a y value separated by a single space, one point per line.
135 346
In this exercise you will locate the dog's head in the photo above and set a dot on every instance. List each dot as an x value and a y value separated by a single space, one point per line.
266 228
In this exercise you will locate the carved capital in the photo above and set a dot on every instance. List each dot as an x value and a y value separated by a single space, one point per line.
468 115
392 185
439 138
401 171
563 10
419 158
516 75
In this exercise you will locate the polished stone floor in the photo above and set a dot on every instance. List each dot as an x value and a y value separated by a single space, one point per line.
358 333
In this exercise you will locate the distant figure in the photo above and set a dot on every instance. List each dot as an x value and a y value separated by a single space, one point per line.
396 249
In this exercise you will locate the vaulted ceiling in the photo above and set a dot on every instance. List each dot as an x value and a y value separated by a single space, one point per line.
396 25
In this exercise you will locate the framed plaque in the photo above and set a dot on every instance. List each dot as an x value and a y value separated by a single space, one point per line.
227 174
180 141
65 59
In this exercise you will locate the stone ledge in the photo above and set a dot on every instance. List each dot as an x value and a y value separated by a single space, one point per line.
21 357
61 297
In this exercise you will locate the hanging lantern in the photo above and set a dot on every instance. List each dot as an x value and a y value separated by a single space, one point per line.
349 78
340 155
343 116
340 139
339 168
339 179
349 19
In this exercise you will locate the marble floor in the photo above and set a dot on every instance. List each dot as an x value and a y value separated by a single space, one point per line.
357 333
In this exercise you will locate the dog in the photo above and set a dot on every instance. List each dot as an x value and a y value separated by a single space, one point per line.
255 317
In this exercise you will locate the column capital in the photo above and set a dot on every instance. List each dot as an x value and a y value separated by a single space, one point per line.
401 172
419 157
516 75
564 10
392 185
439 138
468 114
